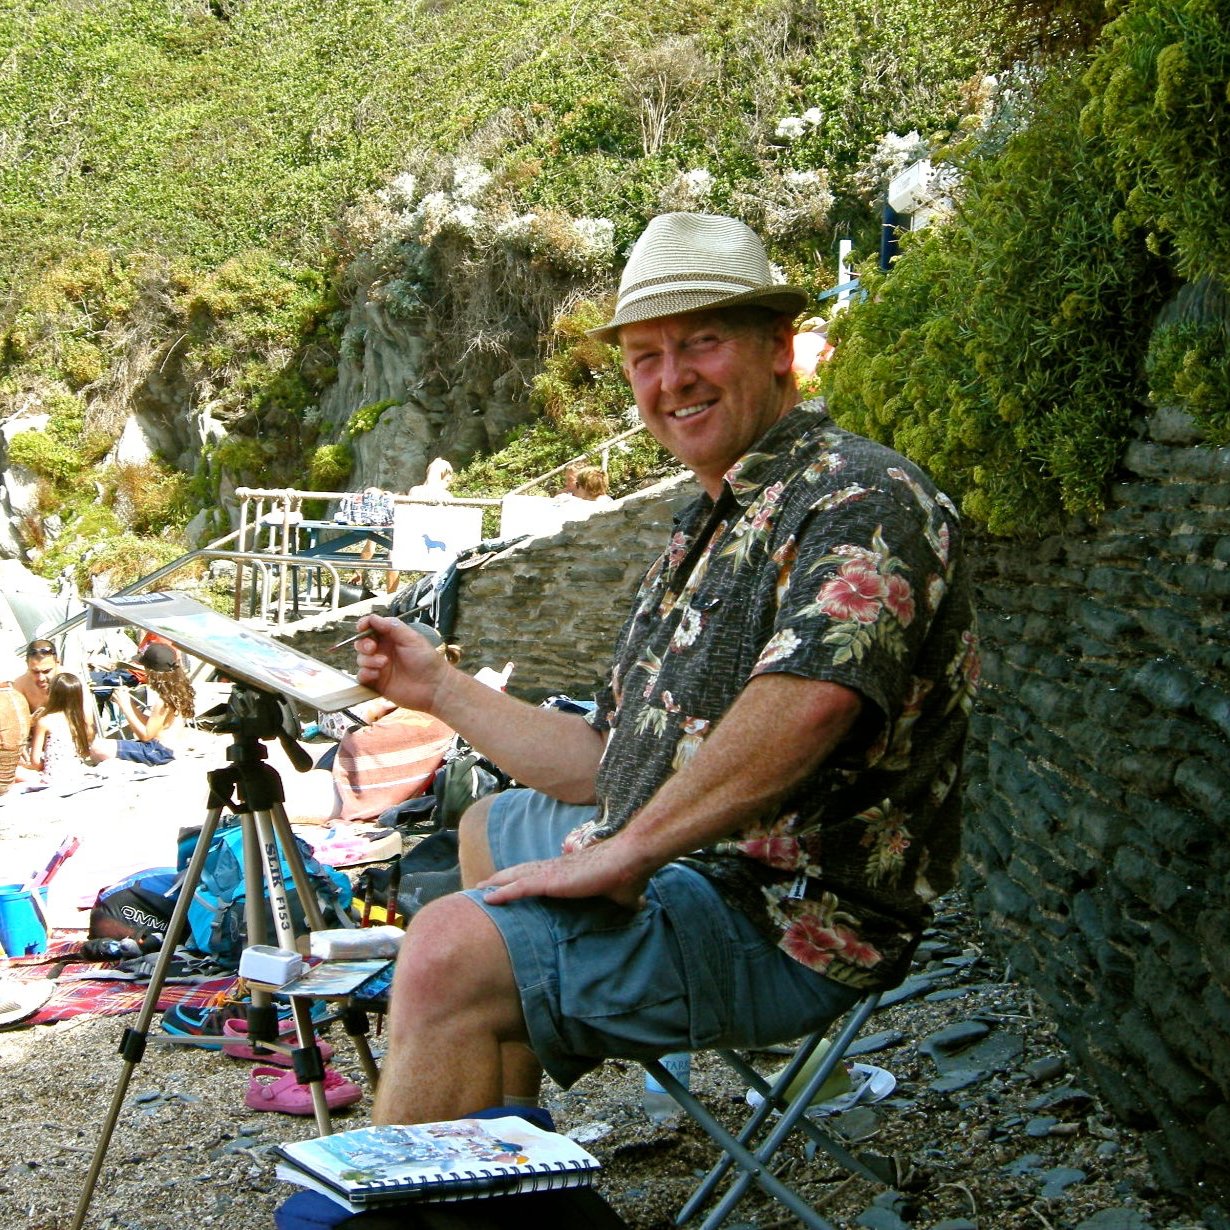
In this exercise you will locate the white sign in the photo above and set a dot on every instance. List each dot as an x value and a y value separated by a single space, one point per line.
427 537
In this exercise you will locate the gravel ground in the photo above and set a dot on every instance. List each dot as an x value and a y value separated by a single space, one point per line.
987 1122
1006 1140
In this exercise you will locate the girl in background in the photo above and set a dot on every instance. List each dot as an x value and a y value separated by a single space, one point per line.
60 740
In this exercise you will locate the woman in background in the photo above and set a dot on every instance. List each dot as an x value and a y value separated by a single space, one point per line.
172 704
60 740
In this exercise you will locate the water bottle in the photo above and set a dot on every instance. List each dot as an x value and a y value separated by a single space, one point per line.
655 1101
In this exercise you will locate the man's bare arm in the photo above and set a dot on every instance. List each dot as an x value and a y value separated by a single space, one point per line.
779 730
545 749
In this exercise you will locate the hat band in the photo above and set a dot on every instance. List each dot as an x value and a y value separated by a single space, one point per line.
673 283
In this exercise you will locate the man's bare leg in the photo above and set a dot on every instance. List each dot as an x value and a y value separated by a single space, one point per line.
522 1071
473 846
454 1016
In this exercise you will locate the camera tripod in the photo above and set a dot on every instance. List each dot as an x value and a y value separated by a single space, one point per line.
252 716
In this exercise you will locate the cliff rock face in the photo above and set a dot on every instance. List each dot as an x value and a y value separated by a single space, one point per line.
444 403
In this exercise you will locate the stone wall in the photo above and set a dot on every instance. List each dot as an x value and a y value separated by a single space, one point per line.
553 606
1096 838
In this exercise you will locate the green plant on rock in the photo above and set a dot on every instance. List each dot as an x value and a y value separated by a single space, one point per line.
1001 352
1160 98
365 418
42 453
1188 361
330 466
148 497
583 400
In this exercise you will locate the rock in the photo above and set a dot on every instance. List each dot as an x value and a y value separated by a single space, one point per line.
915 985
1058 1179
1116 1219
954 1038
958 1078
1048 1068
1041 1126
859 1123
875 1042
1064 1096
1027 1163
881 1219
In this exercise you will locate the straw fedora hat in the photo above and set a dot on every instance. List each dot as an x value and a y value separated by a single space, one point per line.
694 262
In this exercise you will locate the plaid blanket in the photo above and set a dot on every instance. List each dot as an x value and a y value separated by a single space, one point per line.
99 996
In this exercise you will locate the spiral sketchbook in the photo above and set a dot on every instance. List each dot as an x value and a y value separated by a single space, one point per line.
459 1159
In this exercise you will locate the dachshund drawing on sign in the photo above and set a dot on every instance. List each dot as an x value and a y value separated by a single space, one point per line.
434 544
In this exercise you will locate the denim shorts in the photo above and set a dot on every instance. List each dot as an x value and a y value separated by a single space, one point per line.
151 752
684 972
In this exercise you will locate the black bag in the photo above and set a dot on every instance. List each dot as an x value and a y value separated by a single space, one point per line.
138 905
428 871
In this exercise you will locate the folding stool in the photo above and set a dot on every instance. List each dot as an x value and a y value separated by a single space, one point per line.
741 1152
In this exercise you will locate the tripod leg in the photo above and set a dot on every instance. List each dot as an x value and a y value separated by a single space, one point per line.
132 1044
308 1065
355 1022
298 873
262 1019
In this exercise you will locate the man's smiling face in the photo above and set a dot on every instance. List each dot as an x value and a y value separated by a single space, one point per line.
708 385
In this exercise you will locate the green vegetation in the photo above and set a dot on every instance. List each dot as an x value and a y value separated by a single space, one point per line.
366 417
193 196
1002 351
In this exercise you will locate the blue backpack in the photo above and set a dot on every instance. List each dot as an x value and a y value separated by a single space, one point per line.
217 923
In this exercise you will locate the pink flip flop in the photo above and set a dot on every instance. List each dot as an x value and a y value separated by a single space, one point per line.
235 1044
286 1095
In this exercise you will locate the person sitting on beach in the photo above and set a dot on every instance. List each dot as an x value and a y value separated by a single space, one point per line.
42 665
172 703
60 738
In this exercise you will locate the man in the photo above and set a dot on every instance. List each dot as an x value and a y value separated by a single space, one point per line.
42 666
745 834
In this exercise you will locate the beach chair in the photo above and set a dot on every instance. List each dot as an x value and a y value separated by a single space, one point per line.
770 1123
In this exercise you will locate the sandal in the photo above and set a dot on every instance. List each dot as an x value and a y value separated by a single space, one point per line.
235 1044
286 1095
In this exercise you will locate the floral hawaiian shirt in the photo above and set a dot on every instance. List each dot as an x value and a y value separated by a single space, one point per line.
830 557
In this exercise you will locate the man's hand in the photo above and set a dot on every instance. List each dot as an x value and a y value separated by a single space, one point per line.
397 662
600 870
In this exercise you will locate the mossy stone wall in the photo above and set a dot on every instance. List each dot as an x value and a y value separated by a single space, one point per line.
1098 778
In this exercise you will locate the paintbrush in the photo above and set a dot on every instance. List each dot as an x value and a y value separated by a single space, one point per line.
394 885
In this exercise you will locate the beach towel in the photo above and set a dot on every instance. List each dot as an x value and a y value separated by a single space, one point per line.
85 996
384 764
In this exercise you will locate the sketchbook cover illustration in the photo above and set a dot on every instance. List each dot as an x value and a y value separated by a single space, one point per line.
456 1159
242 653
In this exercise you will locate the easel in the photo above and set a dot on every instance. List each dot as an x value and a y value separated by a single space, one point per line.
252 715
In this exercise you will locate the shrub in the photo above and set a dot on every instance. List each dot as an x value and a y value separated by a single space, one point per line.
365 418
1159 97
1002 352
43 454
148 497
1188 362
330 466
